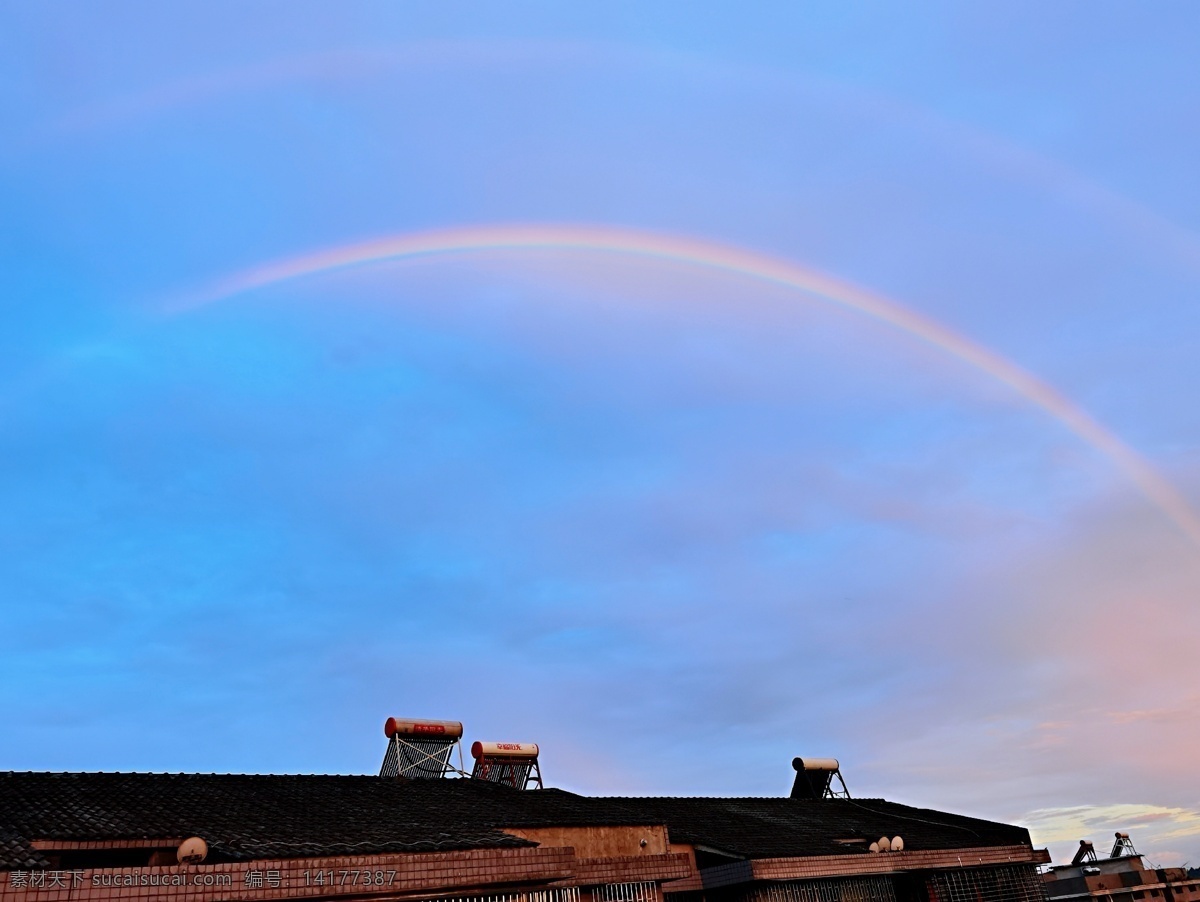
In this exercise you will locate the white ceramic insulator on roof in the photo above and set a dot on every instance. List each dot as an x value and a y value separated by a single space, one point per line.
192 850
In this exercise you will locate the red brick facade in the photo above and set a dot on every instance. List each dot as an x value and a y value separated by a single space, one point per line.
373 877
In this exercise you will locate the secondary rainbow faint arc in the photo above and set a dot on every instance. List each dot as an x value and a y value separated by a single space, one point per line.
732 259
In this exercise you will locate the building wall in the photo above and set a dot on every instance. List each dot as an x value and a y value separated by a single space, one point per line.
599 842
1122 880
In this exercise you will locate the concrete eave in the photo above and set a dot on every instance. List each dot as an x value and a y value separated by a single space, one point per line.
818 866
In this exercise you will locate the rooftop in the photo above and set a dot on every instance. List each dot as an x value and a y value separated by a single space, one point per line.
245 817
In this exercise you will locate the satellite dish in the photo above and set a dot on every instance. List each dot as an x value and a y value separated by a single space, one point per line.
192 850
874 847
885 844
897 844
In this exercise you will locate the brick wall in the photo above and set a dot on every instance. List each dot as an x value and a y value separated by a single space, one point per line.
376 877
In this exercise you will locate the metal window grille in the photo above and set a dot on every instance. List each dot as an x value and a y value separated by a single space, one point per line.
1002 884
854 889
626 892
558 894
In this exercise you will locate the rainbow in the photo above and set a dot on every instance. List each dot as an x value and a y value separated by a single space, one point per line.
731 259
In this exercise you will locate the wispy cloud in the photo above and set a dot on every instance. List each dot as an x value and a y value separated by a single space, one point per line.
1153 829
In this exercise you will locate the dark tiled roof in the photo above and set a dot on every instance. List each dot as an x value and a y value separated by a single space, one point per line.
247 816
16 853
786 828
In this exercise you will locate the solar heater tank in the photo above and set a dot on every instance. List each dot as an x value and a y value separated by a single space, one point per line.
815 764
504 750
423 729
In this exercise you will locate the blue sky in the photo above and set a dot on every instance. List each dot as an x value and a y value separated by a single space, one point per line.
677 525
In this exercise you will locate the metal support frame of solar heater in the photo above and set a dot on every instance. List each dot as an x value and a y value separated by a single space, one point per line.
519 773
831 793
1123 847
1085 852
426 758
